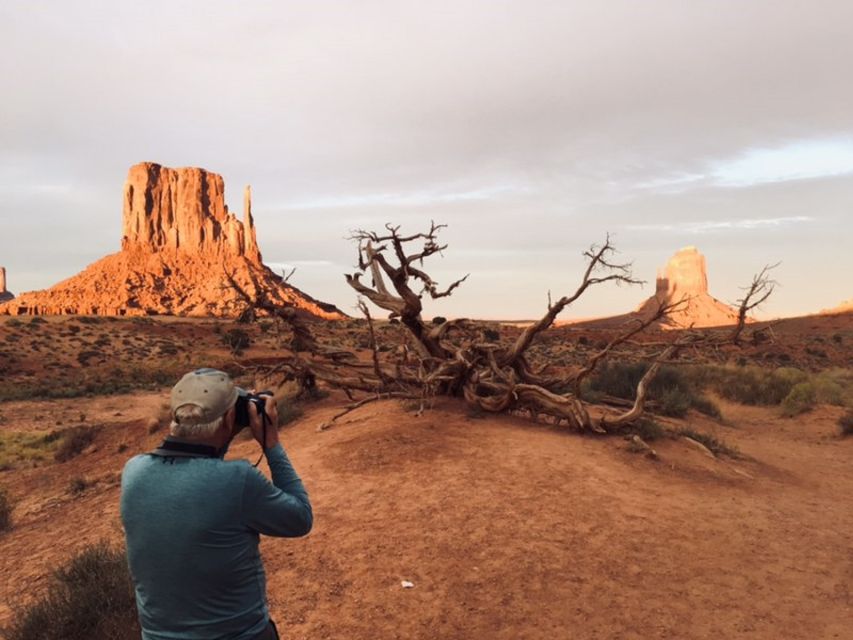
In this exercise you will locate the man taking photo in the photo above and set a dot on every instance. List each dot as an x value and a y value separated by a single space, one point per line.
192 519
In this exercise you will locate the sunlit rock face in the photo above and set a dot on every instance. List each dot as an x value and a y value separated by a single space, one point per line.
179 246
685 278
686 274
4 294
184 211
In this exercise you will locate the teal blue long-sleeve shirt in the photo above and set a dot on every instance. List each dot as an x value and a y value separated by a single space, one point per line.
192 526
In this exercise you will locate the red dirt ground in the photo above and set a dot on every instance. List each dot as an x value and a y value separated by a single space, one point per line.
507 529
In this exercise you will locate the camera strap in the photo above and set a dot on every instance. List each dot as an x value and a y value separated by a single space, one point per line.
264 419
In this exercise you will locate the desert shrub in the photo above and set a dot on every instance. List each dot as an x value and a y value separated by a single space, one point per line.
617 378
801 399
845 423
288 412
237 340
84 356
674 401
314 393
714 445
834 386
706 406
752 385
675 389
5 511
91 597
492 335
14 322
647 429
89 320
73 441
37 320
78 485
437 320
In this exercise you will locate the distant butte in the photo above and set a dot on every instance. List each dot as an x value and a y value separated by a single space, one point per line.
685 277
178 242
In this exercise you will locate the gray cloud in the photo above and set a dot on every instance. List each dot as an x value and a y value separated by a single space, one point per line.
532 128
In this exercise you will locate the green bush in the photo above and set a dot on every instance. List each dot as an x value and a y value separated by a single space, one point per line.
5 511
801 399
90 598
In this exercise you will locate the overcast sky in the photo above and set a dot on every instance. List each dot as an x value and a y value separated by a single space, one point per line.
531 128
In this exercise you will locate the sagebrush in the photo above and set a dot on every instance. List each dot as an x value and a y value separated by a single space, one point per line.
91 597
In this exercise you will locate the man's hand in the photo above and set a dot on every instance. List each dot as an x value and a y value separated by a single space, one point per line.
257 426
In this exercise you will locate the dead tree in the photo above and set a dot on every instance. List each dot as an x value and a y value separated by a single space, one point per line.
449 360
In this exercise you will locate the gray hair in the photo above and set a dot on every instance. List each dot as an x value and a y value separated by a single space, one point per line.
185 423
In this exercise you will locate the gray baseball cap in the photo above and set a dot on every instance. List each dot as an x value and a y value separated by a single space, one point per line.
210 389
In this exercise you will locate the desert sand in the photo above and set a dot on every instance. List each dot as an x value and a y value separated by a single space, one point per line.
506 528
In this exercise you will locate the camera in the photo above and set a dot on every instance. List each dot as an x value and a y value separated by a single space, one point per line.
241 418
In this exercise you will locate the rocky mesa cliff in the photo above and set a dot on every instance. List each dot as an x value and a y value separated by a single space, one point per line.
179 244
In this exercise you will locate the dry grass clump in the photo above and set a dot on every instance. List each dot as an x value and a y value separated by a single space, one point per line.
714 444
845 424
802 398
18 447
73 441
91 597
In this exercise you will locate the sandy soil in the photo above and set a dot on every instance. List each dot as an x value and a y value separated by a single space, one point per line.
507 529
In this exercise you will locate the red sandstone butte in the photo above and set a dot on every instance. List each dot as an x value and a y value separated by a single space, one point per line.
685 277
178 242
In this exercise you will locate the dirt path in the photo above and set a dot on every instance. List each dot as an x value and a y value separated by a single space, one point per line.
510 530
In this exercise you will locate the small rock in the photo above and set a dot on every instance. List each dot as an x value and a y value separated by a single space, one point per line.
407 585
